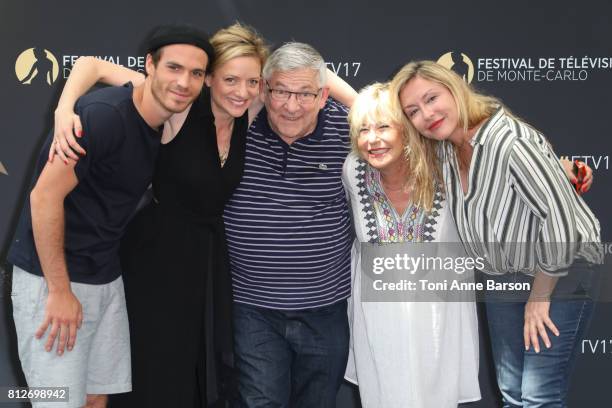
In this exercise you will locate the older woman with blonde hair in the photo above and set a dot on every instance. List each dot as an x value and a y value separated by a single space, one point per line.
403 353
514 207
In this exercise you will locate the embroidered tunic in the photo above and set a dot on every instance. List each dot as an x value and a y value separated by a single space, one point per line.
406 354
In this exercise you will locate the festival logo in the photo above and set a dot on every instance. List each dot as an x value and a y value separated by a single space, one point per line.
36 66
524 68
539 69
460 63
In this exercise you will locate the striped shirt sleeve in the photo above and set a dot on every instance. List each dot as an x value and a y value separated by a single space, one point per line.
541 183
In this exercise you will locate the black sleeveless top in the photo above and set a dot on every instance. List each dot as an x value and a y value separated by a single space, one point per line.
188 172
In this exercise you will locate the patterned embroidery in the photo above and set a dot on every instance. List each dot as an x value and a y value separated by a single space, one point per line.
367 209
382 221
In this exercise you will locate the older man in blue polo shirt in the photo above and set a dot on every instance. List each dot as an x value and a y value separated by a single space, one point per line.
289 235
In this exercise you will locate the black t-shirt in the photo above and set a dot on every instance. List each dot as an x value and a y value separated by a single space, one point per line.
113 176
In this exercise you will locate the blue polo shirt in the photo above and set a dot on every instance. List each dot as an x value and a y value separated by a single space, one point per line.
113 176
288 225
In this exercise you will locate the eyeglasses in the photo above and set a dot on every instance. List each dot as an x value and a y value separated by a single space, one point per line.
282 95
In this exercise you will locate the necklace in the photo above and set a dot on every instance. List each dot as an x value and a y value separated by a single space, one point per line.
223 154
224 138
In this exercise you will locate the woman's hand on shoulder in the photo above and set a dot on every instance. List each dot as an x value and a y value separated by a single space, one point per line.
587 179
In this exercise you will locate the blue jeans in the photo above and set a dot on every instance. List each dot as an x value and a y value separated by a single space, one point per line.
290 358
527 378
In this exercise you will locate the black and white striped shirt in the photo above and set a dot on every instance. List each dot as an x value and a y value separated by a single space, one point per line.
520 212
287 224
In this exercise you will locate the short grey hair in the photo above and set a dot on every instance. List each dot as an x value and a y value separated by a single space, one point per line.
295 55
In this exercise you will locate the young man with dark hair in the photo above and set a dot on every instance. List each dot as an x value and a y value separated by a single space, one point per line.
67 276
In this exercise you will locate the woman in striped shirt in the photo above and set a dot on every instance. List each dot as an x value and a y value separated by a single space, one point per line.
515 209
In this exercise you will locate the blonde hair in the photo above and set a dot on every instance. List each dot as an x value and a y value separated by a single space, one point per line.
472 109
238 40
374 105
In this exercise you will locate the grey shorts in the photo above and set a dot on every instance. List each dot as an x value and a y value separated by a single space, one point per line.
99 363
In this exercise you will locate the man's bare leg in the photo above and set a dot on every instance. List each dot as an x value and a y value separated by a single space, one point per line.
96 401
